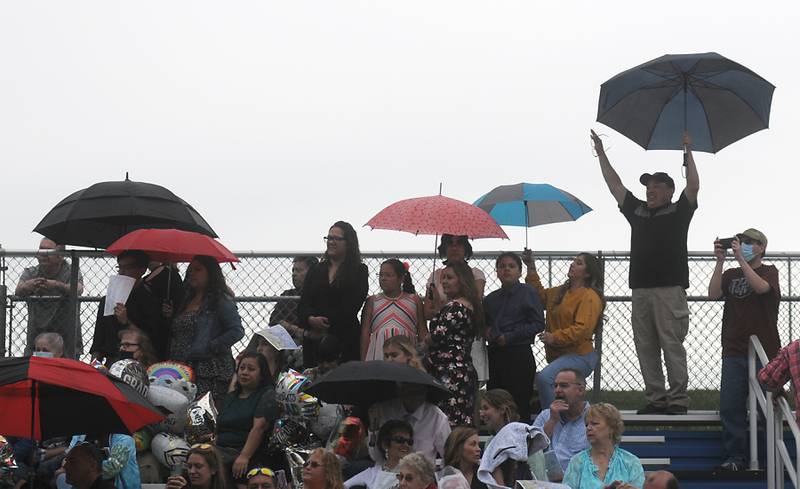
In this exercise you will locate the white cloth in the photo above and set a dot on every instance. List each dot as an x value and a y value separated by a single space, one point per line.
515 441
373 478
431 428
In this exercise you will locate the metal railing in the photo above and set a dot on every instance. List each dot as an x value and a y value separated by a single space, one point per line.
779 461
260 277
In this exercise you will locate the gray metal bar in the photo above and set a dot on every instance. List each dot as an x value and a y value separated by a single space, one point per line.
3 305
598 340
74 305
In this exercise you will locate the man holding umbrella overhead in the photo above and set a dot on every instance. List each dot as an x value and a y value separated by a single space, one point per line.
658 277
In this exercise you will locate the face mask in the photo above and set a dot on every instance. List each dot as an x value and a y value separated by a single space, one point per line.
44 354
125 355
747 252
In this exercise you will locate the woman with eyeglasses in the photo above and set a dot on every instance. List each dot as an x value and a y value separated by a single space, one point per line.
395 441
415 471
322 470
246 416
574 310
333 295
452 331
261 478
203 470
462 451
135 344
206 327
396 311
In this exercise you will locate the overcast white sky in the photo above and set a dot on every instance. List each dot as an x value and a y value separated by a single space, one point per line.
275 119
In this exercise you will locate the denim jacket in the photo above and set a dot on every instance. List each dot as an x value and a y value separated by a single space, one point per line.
216 330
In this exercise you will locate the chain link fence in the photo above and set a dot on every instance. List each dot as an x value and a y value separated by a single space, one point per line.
260 277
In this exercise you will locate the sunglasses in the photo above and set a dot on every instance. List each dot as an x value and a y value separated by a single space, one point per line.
312 464
337 239
401 440
260 471
202 446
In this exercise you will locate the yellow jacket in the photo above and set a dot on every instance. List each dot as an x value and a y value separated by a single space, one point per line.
571 322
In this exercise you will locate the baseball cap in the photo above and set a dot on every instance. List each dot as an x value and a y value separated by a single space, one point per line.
756 235
658 176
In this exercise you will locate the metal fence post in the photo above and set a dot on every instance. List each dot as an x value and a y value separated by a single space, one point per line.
791 293
598 339
74 305
3 303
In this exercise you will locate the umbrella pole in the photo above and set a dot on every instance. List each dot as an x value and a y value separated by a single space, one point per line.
685 124
527 222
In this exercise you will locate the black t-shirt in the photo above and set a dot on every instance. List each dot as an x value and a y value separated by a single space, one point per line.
658 242
747 313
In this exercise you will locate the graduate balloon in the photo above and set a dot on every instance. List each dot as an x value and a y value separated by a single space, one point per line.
174 405
169 449
132 373
201 421
293 401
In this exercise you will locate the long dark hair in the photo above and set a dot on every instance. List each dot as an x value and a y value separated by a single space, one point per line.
216 288
448 239
594 280
455 443
470 291
266 375
348 270
407 285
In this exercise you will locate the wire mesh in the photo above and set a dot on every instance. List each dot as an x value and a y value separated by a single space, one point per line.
259 277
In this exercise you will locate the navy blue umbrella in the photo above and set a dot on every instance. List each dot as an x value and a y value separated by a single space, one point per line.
531 204
716 100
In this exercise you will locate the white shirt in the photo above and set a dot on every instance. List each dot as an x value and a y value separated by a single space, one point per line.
431 428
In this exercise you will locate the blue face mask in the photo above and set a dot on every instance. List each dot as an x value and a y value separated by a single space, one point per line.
747 252
45 354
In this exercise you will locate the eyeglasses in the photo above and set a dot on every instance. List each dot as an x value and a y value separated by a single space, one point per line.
128 345
335 239
312 464
564 385
401 440
406 477
260 471
127 266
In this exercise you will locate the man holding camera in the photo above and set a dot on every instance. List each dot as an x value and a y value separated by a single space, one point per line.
751 293
658 277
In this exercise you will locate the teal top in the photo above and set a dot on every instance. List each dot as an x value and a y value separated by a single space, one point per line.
624 466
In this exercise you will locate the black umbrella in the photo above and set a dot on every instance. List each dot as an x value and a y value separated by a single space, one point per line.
718 101
373 381
43 398
99 215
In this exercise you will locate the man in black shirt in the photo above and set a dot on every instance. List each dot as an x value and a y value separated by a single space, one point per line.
658 277
141 311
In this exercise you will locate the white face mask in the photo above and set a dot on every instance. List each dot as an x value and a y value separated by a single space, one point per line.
45 354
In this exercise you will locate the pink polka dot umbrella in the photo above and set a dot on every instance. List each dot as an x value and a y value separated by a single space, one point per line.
436 215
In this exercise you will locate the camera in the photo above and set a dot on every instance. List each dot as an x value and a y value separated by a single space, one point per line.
726 243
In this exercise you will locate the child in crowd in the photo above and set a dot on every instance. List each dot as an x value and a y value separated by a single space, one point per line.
396 311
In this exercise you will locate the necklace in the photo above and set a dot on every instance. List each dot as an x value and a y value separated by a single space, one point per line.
393 298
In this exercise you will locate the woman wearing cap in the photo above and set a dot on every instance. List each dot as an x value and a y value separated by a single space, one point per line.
452 249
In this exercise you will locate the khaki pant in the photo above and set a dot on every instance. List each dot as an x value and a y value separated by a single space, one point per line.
660 317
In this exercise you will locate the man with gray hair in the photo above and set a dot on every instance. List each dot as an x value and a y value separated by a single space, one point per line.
50 278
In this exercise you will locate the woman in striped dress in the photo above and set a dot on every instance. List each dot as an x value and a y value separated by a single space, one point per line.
397 310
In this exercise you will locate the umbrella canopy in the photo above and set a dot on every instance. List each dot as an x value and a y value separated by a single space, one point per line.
715 99
49 397
437 214
531 204
98 215
373 381
172 245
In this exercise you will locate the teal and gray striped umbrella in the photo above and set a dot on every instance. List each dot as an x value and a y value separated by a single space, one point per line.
531 204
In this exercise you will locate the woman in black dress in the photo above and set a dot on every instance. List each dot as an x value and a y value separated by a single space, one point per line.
333 294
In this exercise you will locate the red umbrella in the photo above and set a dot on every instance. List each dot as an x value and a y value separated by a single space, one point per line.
44 398
437 214
172 245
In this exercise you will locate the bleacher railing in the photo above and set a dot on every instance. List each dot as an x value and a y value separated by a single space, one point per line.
260 277
776 411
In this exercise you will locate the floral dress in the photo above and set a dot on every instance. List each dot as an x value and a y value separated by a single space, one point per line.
449 357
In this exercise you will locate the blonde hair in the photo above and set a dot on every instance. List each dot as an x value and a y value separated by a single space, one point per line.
610 415
333 469
404 344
